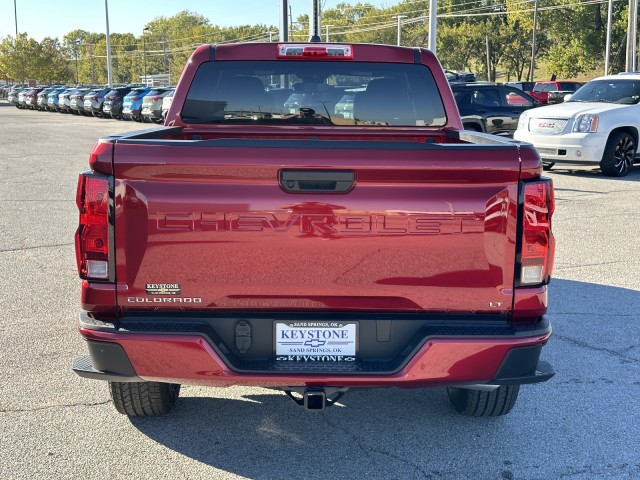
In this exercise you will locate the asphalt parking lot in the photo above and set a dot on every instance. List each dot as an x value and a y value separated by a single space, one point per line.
583 424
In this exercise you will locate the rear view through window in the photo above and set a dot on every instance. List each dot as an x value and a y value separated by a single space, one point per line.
303 93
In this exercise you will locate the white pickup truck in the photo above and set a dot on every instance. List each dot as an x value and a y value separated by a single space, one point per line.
597 124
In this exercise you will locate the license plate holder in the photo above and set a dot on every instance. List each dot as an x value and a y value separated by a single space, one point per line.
315 341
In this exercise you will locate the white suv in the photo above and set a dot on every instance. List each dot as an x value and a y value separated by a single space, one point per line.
597 124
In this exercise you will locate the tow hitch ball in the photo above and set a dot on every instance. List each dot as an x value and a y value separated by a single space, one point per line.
315 399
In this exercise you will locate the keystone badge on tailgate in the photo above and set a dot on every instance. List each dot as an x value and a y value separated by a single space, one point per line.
163 289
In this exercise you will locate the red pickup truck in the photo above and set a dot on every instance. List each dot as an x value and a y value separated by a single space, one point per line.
542 90
312 217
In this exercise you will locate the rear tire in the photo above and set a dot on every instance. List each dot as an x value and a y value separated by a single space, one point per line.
482 403
144 399
618 155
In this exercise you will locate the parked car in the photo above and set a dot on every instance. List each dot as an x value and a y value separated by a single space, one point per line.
132 104
598 125
12 95
94 100
64 101
76 101
541 89
31 97
152 104
166 104
460 77
112 104
43 99
491 108
53 98
22 101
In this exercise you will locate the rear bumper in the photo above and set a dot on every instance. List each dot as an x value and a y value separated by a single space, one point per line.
463 357
115 109
153 114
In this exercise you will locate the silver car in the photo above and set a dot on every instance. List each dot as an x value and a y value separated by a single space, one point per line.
152 104
166 104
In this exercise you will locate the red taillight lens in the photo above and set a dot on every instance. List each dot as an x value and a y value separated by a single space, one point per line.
155 99
116 98
92 236
134 99
538 243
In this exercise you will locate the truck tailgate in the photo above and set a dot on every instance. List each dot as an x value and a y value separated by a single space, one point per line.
210 225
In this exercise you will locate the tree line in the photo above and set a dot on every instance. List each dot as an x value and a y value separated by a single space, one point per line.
570 40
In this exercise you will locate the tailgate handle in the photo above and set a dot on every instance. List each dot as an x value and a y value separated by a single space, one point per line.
313 181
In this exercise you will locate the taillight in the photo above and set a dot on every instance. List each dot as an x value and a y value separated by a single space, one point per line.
116 98
155 99
92 236
134 99
537 242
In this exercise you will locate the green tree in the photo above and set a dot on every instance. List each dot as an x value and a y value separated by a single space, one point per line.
19 57
52 63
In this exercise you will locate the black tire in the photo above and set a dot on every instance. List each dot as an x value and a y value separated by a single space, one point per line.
547 166
618 155
144 399
482 403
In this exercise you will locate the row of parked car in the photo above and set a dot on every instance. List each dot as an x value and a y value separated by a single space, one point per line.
130 102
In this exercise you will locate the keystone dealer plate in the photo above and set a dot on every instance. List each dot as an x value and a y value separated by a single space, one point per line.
316 341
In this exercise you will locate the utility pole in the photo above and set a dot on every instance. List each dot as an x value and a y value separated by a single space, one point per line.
630 65
109 70
92 49
488 59
144 55
533 41
15 14
77 45
607 53
433 24
400 17
164 55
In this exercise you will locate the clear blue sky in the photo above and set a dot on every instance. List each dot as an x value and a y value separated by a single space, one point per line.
47 18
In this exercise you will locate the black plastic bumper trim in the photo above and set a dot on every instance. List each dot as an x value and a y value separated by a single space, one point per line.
106 361
522 365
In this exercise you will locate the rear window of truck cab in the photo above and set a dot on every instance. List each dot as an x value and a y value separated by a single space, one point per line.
313 93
